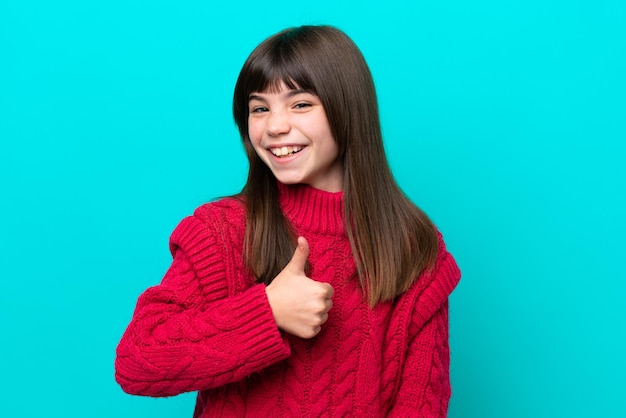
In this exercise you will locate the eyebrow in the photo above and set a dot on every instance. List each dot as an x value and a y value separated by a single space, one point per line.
289 94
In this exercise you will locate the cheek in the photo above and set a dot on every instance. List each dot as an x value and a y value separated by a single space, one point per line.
323 128
254 132
255 138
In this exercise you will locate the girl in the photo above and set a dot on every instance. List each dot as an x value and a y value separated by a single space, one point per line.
319 290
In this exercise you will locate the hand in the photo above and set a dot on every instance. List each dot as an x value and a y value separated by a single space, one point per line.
300 305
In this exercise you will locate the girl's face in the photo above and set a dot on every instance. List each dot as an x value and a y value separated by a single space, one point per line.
290 133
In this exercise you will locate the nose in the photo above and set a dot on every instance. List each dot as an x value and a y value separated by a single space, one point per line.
277 123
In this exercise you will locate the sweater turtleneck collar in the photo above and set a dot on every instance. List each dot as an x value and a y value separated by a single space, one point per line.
312 209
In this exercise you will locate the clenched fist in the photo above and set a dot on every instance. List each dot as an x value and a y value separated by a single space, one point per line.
300 305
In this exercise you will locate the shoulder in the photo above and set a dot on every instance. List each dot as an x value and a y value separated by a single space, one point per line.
431 290
229 208
445 274
210 221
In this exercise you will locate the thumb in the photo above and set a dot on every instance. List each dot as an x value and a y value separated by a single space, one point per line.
298 261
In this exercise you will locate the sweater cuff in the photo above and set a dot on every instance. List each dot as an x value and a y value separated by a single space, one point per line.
256 336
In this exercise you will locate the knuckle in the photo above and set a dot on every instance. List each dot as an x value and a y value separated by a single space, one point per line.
310 333
324 290
319 307
329 290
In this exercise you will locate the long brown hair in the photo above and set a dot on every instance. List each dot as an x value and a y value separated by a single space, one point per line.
393 241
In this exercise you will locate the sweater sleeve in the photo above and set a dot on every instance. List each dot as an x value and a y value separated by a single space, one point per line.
424 388
192 332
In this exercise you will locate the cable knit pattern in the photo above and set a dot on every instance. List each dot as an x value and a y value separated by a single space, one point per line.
208 327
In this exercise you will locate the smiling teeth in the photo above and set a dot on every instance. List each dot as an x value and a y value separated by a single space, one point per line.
284 151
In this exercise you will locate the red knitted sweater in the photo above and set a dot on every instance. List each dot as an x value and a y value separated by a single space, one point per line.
208 327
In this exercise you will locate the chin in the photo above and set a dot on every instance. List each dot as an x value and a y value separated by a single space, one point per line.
288 182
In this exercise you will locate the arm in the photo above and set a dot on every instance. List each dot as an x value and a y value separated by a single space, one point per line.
425 381
424 388
190 333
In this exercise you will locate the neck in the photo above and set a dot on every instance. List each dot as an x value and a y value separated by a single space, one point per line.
312 210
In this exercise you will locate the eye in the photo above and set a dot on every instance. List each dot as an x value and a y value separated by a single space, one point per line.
302 105
258 109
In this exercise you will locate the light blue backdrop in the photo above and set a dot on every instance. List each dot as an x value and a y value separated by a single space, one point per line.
504 120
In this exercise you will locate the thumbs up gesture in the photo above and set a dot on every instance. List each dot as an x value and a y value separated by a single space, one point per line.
300 305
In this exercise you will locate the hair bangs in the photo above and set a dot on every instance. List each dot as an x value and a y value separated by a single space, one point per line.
272 73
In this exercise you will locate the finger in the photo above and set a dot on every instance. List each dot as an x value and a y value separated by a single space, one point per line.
329 291
316 330
329 304
300 255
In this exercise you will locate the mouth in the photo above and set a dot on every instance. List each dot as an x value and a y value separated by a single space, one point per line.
285 151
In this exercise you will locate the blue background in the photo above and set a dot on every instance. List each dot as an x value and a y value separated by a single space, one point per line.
504 120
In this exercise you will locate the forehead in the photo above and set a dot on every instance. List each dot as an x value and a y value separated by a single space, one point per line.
277 86
280 90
